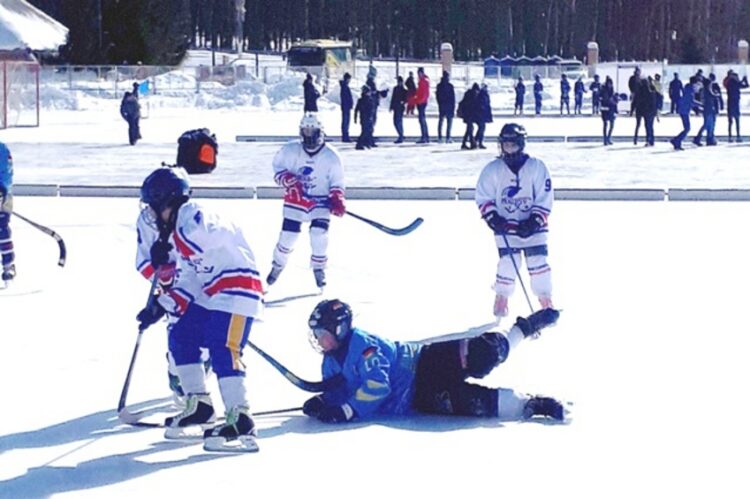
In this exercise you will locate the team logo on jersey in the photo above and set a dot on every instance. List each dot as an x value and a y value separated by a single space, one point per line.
511 191
305 171
512 202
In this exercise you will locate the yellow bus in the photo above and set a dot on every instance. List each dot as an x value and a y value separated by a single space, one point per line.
326 60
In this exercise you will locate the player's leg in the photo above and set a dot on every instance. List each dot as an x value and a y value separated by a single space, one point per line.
319 247
290 230
540 274
505 279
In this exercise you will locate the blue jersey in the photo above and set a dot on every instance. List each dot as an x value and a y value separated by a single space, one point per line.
379 375
6 168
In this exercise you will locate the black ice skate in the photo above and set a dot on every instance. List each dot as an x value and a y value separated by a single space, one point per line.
236 434
320 277
544 406
274 274
9 272
198 415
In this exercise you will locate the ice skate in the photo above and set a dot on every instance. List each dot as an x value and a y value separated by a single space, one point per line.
320 277
274 274
501 306
198 415
9 272
545 407
178 395
236 434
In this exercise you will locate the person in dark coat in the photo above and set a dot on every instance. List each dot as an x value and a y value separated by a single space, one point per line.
130 110
686 104
733 85
675 92
520 90
311 95
467 110
376 95
446 99
645 107
398 104
538 91
564 94
712 104
596 98
347 103
608 107
633 83
578 90
364 110
411 93
484 115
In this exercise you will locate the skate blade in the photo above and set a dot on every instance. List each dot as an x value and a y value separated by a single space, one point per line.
192 432
244 443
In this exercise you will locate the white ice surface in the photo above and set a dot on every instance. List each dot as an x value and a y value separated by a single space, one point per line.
651 347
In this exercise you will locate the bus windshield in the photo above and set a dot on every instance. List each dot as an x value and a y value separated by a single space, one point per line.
306 56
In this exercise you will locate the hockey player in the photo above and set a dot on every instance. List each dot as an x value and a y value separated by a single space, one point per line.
384 377
6 208
216 254
311 172
514 194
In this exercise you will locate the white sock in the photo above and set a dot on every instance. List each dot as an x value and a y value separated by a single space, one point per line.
510 404
192 378
233 391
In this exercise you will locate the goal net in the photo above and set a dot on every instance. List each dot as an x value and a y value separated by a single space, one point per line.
19 97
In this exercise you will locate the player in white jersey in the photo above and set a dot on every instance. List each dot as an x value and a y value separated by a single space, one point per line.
311 172
218 257
514 194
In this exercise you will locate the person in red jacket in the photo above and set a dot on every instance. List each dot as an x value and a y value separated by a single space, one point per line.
423 95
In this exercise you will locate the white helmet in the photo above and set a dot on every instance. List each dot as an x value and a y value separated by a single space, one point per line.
311 131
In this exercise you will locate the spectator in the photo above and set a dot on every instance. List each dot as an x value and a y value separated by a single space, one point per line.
347 102
633 83
644 104
564 93
446 98
685 106
659 94
609 101
520 90
421 99
398 103
578 90
698 96
675 92
467 110
411 93
733 85
538 90
130 110
375 95
311 95
484 115
596 99
712 104
364 110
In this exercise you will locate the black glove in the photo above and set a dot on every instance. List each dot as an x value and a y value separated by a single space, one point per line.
529 226
495 221
160 253
336 413
537 321
313 406
150 315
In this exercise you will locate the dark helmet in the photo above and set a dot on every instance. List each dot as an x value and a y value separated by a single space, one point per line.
165 187
516 134
333 316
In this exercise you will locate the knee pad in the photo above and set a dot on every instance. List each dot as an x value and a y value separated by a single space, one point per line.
291 225
319 223
540 250
485 353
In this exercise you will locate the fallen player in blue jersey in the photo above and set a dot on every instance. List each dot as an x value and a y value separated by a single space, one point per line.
384 377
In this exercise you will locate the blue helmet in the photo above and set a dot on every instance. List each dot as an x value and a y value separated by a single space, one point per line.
333 316
165 187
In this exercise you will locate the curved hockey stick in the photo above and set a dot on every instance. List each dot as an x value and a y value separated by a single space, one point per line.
60 243
389 230
134 418
308 386
518 274
124 415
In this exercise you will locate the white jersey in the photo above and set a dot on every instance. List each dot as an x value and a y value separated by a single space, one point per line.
186 288
217 256
320 174
516 197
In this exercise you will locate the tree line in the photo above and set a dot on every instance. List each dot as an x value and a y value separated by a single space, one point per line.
160 31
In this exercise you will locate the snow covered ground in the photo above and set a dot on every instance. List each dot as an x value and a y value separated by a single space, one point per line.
650 347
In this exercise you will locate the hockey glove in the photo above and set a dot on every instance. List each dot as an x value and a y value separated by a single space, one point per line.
537 321
165 275
495 221
313 406
287 180
336 413
336 203
150 315
529 226
160 253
